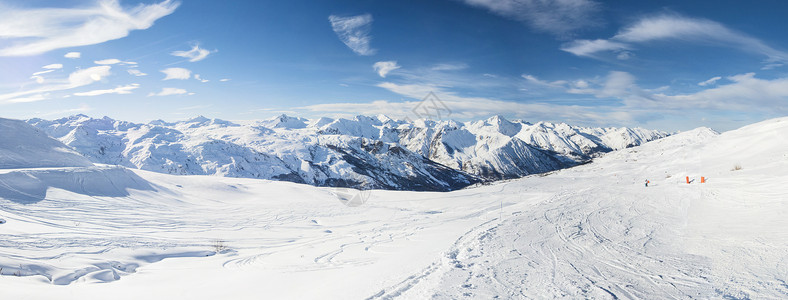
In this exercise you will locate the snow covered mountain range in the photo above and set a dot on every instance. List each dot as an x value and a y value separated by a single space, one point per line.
363 152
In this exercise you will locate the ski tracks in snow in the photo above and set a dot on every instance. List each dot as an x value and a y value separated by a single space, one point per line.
582 244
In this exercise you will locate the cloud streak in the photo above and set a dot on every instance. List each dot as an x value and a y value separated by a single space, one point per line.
354 32
76 79
168 91
471 107
126 89
674 27
35 31
711 81
53 66
558 17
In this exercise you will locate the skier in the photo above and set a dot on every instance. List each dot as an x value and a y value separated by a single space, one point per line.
647 182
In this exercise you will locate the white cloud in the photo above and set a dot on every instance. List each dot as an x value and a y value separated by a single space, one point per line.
136 72
590 47
384 67
711 81
224 79
73 55
33 98
81 109
176 73
34 31
532 79
674 27
43 72
772 66
470 107
169 91
113 61
195 54
744 93
126 89
197 76
110 61
559 17
76 79
449 67
53 66
354 32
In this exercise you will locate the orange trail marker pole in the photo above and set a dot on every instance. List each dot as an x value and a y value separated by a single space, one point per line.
702 179
687 179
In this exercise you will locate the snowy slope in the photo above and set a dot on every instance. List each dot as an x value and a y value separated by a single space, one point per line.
23 146
363 152
32 163
593 231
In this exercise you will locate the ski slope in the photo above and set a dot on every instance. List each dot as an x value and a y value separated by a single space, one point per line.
593 231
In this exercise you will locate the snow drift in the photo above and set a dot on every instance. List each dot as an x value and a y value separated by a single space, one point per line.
23 146
31 163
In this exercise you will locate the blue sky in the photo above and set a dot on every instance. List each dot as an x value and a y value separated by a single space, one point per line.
671 65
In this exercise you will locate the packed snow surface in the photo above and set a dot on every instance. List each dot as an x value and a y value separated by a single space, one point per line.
593 231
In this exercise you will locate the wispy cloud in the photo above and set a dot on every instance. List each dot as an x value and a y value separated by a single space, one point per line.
113 61
449 67
591 47
76 79
34 31
37 78
224 79
558 17
534 80
176 73
168 91
471 107
197 76
711 81
354 32
675 27
745 93
384 67
81 109
53 66
195 54
73 55
43 72
31 98
136 72
126 89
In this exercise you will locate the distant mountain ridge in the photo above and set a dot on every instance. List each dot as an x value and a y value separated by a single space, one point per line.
364 152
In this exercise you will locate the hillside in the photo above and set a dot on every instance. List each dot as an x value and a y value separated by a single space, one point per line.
594 231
